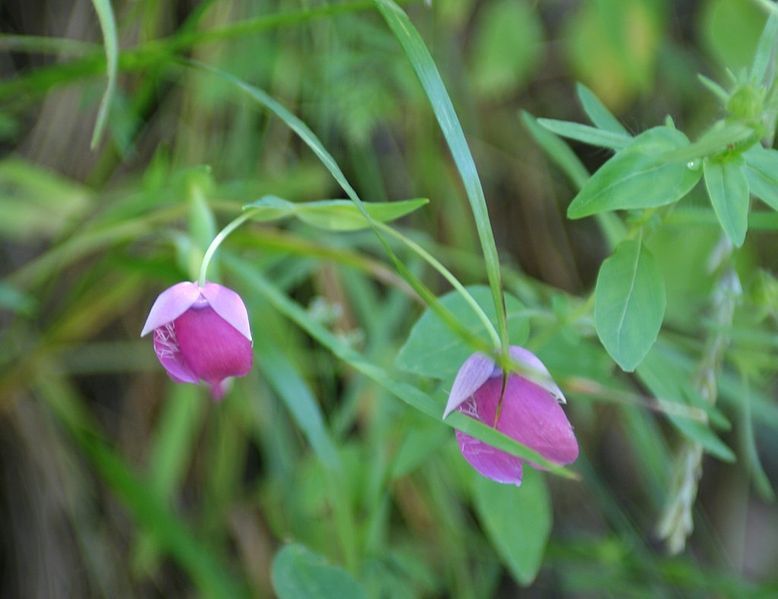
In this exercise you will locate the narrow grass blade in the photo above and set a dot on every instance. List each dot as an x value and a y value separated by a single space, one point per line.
428 74
598 113
111 42
586 134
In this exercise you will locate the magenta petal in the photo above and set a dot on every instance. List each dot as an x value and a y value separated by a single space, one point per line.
170 304
169 354
472 374
489 461
212 347
530 415
538 372
229 305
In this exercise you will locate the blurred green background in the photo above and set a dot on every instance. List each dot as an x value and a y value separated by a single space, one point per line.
117 482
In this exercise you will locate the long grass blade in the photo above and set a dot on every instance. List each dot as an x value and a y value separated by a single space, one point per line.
428 74
111 43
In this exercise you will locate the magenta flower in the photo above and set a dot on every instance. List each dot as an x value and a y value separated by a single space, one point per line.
201 334
530 414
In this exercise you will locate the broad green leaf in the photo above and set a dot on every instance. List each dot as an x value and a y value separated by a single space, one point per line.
507 42
638 176
727 187
668 380
762 173
332 215
517 521
430 79
586 134
434 351
111 42
629 304
598 113
299 573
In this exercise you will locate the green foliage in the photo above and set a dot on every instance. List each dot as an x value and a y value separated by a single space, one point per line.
433 350
728 190
629 303
328 471
517 520
298 573
332 215
639 176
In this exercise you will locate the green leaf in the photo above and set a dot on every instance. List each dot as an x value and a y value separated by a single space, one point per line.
433 350
727 187
586 134
507 42
517 521
427 72
299 573
598 113
762 173
332 215
629 304
110 39
765 52
668 379
638 176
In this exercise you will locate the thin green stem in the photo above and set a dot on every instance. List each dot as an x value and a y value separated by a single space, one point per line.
214 245
448 275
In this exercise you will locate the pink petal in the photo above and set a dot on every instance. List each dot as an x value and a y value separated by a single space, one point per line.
212 347
472 374
169 354
228 304
531 415
488 461
538 372
171 304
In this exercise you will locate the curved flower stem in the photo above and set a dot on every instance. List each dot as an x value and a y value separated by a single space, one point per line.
214 245
432 261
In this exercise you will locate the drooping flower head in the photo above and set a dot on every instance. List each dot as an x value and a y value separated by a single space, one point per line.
201 334
530 413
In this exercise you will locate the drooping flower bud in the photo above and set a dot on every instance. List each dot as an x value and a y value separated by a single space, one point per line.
201 334
530 414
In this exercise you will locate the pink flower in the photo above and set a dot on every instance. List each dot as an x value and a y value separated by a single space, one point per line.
201 333
530 414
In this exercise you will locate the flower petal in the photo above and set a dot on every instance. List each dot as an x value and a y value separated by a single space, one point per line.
531 415
169 354
489 461
229 306
538 374
212 347
170 304
472 374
